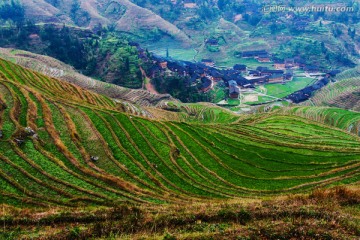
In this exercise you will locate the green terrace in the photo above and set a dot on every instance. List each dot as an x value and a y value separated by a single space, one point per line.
84 151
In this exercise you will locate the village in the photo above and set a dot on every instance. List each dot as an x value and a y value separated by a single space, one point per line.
242 83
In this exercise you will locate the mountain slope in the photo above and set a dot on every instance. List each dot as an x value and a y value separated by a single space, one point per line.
82 150
123 14
325 39
345 93
54 68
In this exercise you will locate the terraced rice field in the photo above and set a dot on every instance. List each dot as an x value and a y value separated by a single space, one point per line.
152 161
340 118
345 93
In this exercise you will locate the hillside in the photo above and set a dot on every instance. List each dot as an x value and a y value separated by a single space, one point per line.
122 14
54 68
344 93
64 146
152 151
220 30
223 29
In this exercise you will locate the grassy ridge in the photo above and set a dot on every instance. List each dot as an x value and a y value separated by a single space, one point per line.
210 154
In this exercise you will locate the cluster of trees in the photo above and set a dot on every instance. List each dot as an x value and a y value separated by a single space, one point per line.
178 86
250 10
352 32
12 11
55 3
106 57
313 52
64 45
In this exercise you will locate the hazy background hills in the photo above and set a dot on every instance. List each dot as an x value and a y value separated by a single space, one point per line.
185 26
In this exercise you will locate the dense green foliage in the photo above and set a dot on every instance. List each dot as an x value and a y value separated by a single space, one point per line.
13 11
178 88
104 56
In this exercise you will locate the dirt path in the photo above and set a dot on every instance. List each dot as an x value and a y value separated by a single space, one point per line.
148 86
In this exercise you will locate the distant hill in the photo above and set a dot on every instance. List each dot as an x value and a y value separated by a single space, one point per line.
121 14
320 38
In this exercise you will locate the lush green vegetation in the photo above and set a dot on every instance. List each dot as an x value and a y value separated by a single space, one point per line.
104 55
85 153
215 155
280 90
178 87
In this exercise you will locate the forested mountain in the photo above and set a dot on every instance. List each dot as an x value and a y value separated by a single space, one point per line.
328 37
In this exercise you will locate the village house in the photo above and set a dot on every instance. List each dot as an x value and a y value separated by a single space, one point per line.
289 63
212 42
240 67
253 54
190 4
206 84
279 65
305 93
263 58
261 68
208 62
276 78
300 63
216 75
254 73
333 73
312 69
260 80
288 76
269 72
234 90
163 64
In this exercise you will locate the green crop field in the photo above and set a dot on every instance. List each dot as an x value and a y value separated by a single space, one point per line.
282 90
210 154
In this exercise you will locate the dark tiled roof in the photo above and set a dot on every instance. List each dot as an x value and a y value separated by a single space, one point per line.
239 67
207 60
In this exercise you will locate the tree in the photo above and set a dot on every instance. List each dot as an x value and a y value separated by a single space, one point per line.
352 32
222 4
127 64
273 28
323 48
13 11
74 9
